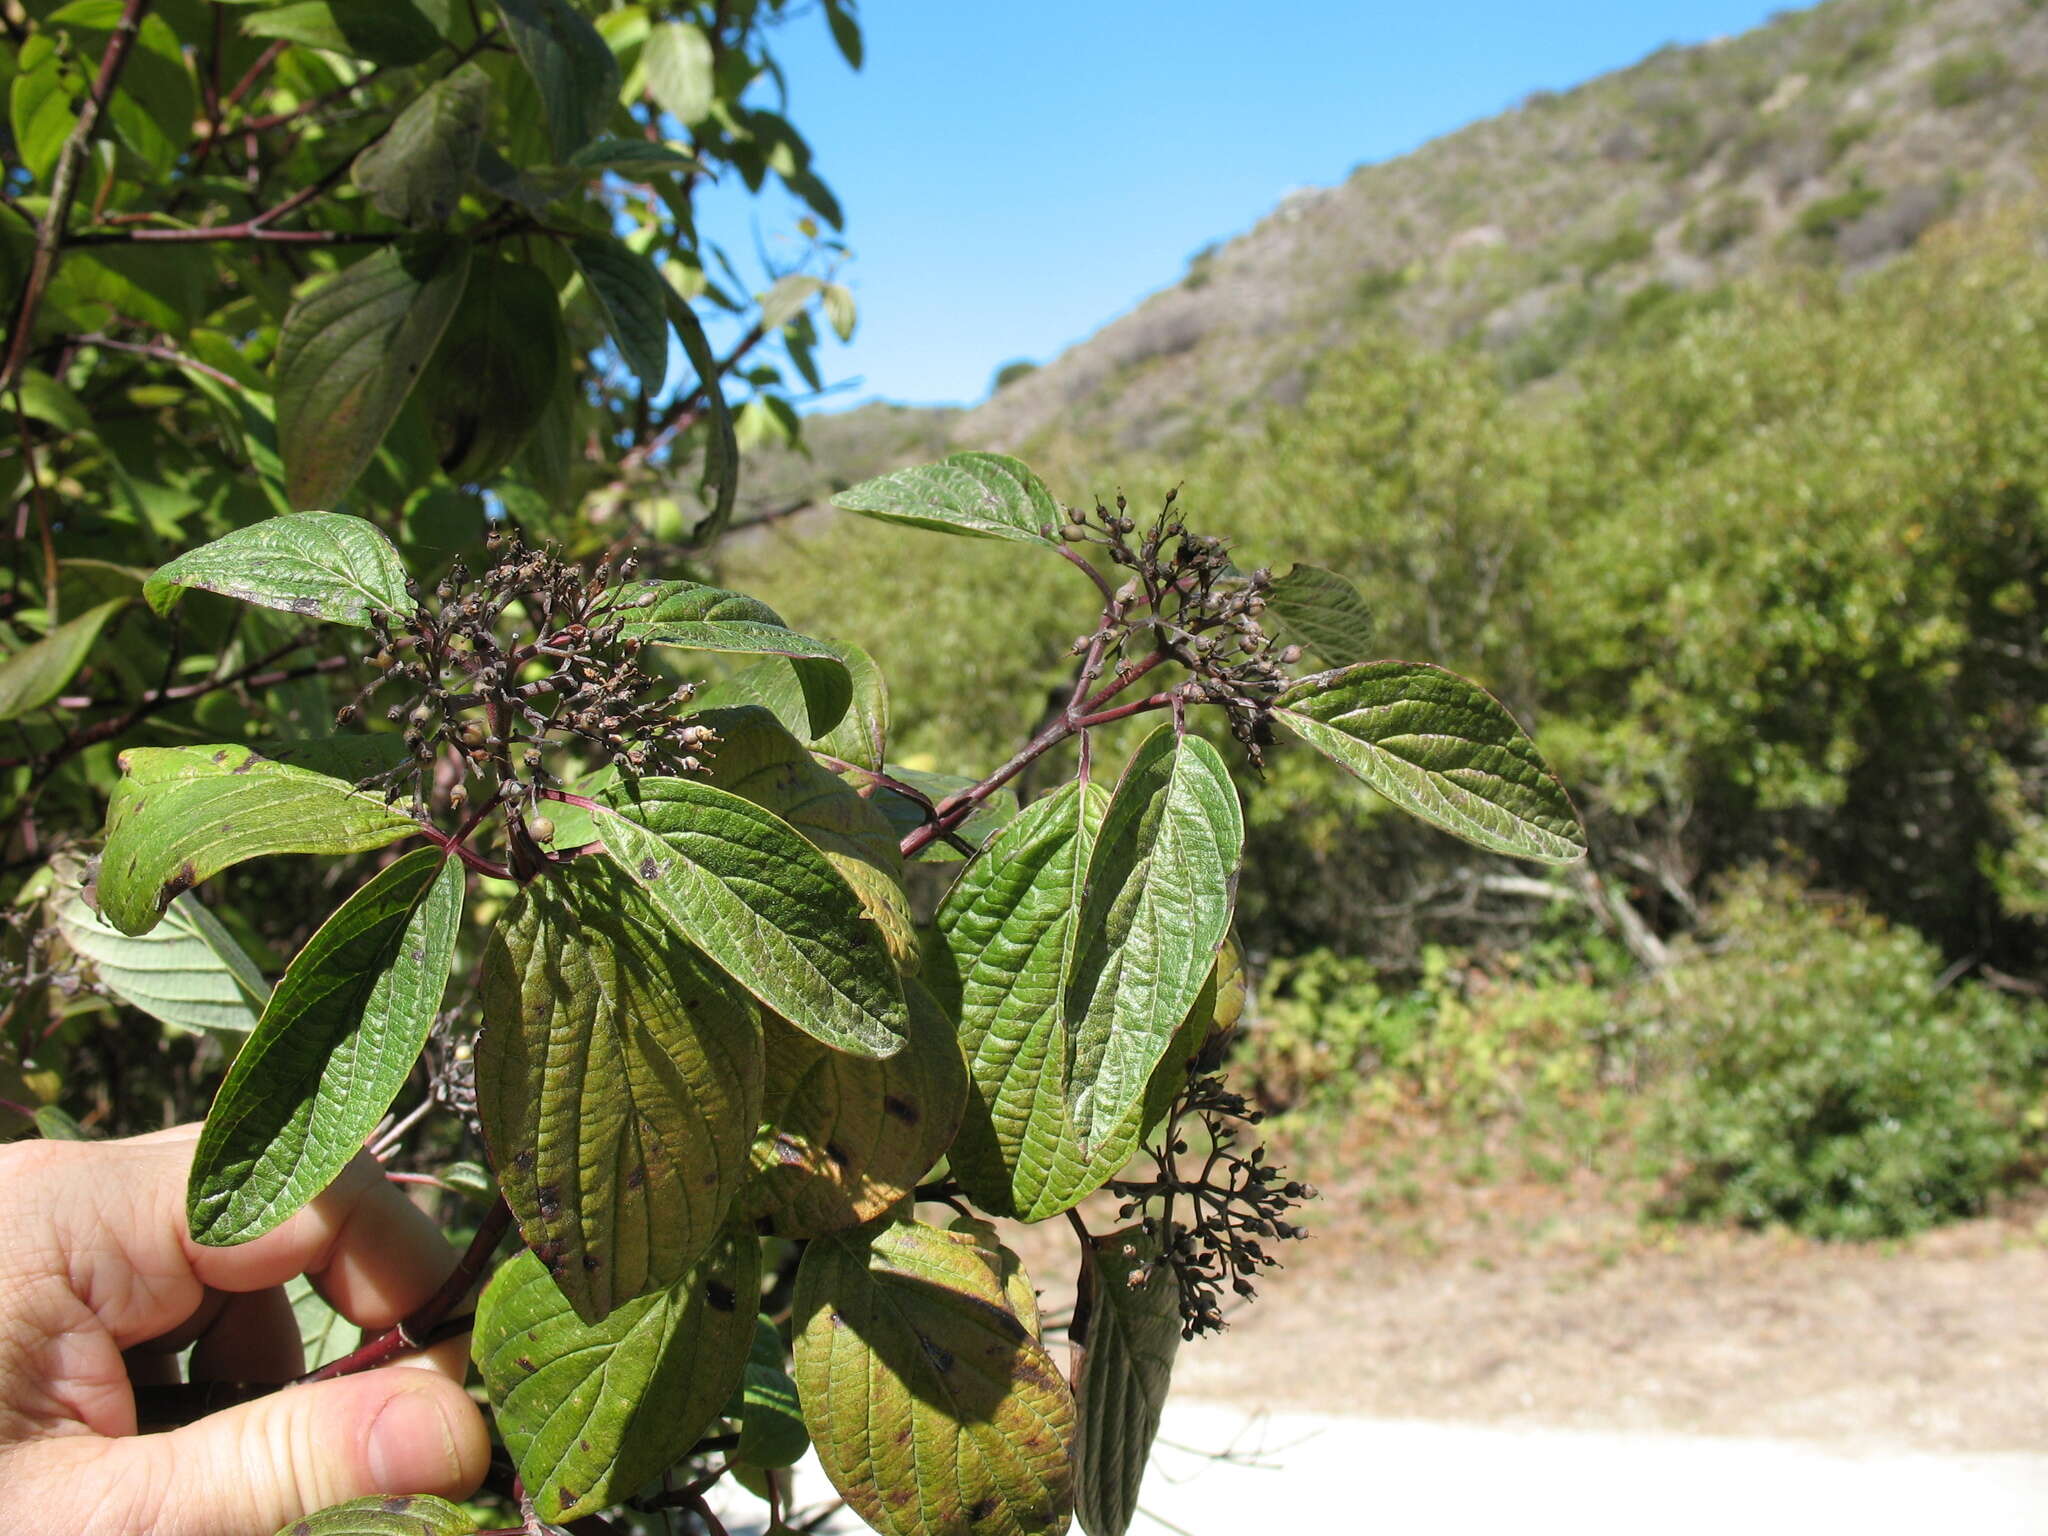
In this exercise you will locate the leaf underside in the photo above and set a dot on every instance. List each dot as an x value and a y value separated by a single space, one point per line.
186 972
619 1083
843 1137
933 1409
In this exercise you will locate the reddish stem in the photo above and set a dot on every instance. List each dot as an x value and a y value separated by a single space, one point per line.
429 1322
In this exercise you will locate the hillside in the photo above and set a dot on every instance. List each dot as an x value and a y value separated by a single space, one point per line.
1834 135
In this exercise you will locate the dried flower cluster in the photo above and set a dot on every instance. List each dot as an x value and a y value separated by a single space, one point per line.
531 658
1233 1203
1186 596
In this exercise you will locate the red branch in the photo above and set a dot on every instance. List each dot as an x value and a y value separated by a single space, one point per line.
430 1321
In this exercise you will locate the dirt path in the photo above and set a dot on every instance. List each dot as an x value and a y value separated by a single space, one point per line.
1939 1344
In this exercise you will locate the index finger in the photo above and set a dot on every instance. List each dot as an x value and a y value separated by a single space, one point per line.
109 1219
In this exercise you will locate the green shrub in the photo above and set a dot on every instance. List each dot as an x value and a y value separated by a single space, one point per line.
1969 75
1824 217
1821 1076
1724 222
1011 372
1617 250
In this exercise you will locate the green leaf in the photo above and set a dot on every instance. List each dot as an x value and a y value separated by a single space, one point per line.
861 737
843 1138
336 1041
1009 925
324 565
53 1124
570 62
845 31
417 1514
721 481
741 884
633 156
42 105
1162 879
1323 612
839 309
187 972
381 31
1440 748
324 1334
758 760
679 65
786 300
619 1084
691 617
983 495
182 814
772 1432
36 674
44 399
417 172
593 1412
153 108
347 358
1125 1336
933 1409
1018 1291
491 378
814 706
630 295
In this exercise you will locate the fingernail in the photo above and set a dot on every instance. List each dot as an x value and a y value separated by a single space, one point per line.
412 1447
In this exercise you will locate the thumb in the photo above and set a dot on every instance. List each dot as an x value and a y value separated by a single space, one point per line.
253 1469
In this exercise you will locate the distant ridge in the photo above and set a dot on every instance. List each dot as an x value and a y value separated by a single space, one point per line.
1829 137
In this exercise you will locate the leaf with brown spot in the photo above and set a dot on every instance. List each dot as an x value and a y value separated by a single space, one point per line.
614 1405
843 1137
610 1046
182 814
901 1325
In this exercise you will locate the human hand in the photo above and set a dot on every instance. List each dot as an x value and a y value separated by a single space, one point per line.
101 1285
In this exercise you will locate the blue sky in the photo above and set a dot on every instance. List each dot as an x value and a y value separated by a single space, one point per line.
1015 175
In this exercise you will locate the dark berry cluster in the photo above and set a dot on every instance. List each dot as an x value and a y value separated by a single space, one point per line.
1209 1229
531 657
1185 596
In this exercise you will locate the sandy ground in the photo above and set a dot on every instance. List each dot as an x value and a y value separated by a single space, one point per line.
1543 1362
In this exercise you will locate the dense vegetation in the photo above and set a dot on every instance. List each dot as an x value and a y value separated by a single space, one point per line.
1766 569
342 431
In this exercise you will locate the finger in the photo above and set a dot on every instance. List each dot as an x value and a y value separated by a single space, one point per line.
253 1469
255 1338
110 1216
